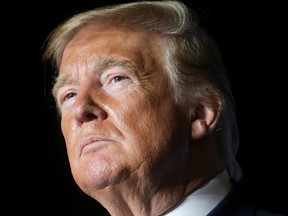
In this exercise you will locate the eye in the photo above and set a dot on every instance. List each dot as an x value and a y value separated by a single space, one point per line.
115 82
68 96
118 79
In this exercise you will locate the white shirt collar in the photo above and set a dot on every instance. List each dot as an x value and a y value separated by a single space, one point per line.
203 200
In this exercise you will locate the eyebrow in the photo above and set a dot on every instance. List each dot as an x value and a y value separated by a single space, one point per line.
99 62
61 81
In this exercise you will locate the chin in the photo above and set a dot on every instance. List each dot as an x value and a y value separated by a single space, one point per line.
98 174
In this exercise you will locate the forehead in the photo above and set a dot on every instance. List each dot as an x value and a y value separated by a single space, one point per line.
117 32
115 42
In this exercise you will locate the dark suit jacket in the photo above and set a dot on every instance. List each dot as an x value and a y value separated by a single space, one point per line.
237 204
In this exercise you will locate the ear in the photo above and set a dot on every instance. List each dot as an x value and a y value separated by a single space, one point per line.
204 118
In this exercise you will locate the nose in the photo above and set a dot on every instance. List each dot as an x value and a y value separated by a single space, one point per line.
86 109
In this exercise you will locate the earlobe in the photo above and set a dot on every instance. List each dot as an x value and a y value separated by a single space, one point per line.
204 121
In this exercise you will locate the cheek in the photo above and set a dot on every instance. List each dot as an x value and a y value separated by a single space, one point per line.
148 124
68 133
65 127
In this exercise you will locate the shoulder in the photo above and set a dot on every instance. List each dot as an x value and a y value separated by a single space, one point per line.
236 203
262 212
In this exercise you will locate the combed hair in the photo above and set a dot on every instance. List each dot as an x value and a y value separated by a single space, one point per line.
191 58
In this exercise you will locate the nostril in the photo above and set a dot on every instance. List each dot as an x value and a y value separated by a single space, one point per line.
89 111
91 116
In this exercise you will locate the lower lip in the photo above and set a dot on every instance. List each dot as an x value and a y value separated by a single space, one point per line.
96 144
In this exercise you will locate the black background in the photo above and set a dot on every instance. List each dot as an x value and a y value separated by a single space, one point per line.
36 175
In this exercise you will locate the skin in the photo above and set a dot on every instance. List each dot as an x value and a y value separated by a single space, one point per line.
130 146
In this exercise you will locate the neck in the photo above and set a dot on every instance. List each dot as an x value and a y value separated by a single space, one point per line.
150 196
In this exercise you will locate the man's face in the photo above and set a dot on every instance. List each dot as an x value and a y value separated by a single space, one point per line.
119 118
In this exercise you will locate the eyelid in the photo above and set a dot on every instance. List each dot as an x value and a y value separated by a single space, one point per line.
111 78
64 97
63 91
108 75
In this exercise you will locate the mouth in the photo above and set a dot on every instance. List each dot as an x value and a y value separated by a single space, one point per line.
92 139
